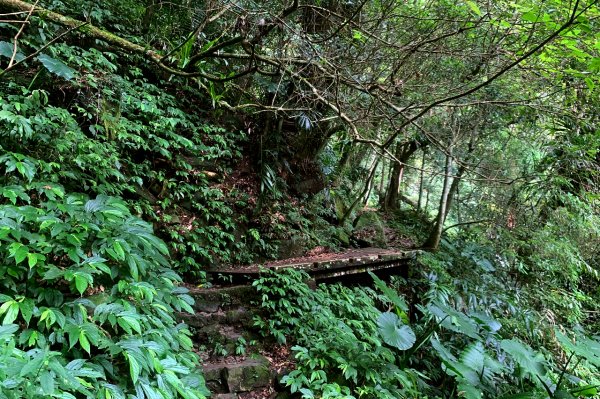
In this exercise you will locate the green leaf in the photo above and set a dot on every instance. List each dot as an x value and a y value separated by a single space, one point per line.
56 67
134 368
47 223
8 330
119 250
389 293
47 382
32 259
18 251
11 313
26 170
586 391
84 342
394 333
6 50
26 307
474 7
81 283
530 362
33 365
583 347
562 394
473 357
467 390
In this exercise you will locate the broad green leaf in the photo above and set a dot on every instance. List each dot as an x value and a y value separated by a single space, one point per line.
469 391
7 330
586 391
454 320
394 333
26 306
32 259
529 361
583 347
473 357
56 67
119 250
32 367
7 49
389 293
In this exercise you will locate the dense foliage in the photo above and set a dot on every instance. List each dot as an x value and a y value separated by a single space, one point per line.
88 297
143 140
352 343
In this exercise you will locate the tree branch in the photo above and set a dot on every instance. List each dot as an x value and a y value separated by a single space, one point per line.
498 74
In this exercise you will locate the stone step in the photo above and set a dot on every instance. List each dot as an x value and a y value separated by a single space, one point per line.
234 316
236 377
211 300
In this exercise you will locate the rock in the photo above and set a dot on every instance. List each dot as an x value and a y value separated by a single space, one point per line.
369 230
213 372
343 237
206 306
310 186
238 316
340 207
213 375
199 320
247 375
226 396
293 247
223 298
211 332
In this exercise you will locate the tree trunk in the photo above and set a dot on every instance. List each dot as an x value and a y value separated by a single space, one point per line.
421 179
382 185
435 236
403 153
148 15
362 194
454 189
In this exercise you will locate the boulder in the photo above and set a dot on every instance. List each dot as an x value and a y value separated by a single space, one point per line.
293 247
369 231
247 375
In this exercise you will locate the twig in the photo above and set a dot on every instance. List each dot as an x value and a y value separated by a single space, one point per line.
16 39
466 224
13 13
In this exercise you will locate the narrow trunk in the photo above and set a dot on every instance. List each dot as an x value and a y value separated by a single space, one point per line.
391 198
454 189
435 236
148 15
381 193
362 194
421 179
458 177
403 153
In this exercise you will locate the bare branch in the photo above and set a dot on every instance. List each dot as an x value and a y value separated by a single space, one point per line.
16 38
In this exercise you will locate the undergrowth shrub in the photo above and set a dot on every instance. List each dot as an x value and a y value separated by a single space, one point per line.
87 297
125 137
357 342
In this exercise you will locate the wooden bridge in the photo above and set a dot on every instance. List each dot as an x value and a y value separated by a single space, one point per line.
328 267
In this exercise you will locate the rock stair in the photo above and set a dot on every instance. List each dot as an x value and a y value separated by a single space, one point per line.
223 319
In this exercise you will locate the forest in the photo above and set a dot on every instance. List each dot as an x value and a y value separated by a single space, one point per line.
148 145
